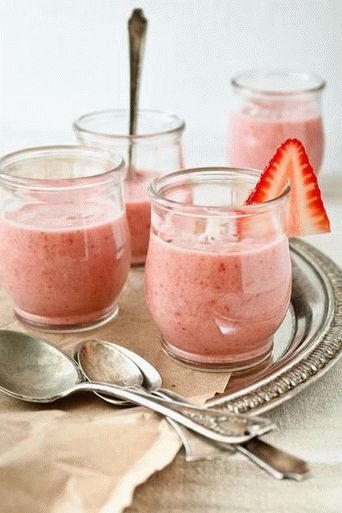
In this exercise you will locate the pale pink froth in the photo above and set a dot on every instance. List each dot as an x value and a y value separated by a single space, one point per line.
138 209
64 264
219 305
253 140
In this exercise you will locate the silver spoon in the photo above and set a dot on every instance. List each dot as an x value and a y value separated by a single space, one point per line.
149 378
33 370
137 26
98 358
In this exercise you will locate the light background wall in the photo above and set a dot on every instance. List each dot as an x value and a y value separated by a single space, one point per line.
62 58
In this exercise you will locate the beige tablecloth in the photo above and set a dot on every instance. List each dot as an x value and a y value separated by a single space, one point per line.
310 425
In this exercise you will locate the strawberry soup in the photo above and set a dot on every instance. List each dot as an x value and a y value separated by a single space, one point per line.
218 272
66 264
254 137
270 106
222 304
138 209
64 242
155 149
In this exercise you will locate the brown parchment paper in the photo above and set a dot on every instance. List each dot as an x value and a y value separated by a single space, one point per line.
81 455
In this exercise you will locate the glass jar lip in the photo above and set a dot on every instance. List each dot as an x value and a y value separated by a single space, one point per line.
114 161
240 81
235 211
78 125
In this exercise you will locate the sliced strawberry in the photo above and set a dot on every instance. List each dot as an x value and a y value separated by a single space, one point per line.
306 212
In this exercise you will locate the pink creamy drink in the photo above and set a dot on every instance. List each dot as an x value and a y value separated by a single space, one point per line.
156 148
64 240
253 139
64 264
270 106
138 210
222 303
218 272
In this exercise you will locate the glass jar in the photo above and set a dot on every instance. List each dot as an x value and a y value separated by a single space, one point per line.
155 150
218 272
64 239
270 106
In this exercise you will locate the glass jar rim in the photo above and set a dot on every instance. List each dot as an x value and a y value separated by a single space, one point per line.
114 161
78 125
243 210
240 81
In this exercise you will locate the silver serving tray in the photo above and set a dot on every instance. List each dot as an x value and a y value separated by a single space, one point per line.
306 345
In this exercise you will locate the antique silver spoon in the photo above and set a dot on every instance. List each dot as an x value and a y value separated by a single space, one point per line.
97 360
103 356
33 370
137 26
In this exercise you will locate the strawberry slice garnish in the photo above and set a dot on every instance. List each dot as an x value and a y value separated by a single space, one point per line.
306 212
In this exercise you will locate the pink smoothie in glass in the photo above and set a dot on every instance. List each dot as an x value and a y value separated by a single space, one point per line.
138 210
64 264
222 304
253 139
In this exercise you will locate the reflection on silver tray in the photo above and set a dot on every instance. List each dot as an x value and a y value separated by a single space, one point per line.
306 345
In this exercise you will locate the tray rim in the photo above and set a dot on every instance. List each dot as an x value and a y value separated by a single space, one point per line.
307 367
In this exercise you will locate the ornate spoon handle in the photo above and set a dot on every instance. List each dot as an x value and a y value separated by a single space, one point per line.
277 463
213 424
137 26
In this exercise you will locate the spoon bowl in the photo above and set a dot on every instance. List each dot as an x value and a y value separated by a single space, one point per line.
115 364
34 370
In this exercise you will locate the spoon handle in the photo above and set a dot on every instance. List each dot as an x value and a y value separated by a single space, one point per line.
137 26
213 424
276 462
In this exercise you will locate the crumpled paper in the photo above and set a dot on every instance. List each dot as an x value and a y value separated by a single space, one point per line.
81 455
